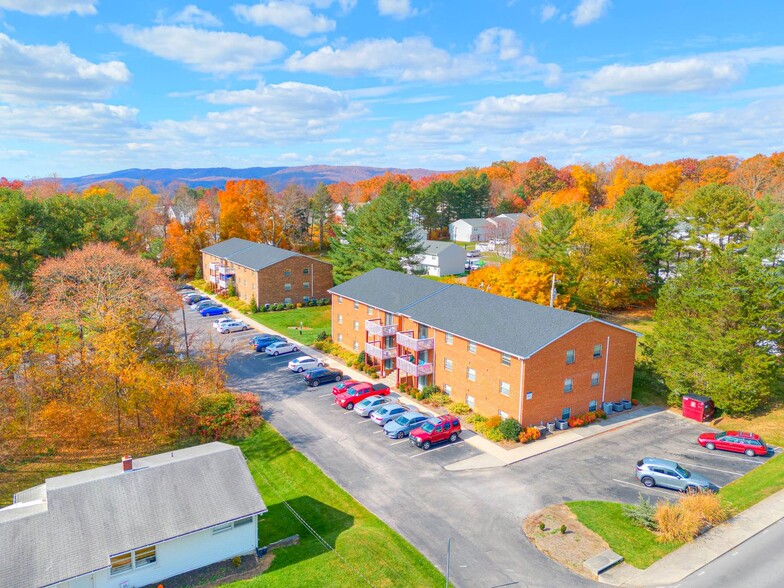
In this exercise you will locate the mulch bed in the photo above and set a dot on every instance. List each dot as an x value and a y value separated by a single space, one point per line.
219 573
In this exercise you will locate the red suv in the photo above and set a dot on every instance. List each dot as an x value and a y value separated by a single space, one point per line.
747 443
359 392
435 430
343 386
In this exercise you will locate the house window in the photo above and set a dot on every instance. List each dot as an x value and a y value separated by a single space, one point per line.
145 556
449 339
340 319
356 305
356 325
306 271
287 300
503 415
568 384
287 287
471 347
595 379
340 300
566 413
287 272
470 401
356 346
242 522
447 364
125 562
471 374
221 528
340 338
592 406
529 395
597 350
570 356
506 359
121 563
504 388
447 389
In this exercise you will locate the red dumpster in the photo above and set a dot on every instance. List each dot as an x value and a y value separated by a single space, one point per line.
699 408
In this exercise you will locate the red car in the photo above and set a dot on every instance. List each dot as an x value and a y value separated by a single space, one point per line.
359 392
747 443
443 428
343 386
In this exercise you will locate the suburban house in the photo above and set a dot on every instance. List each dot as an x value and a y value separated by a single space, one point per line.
266 274
441 258
470 229
133 523
498 355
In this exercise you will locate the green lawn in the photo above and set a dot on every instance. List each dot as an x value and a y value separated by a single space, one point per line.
758 484
638 546
314 320
368 551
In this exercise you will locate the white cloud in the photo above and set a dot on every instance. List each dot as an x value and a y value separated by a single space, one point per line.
51 7
685 75
504 42
589 11
289 16
205 51
396 8
548 11
193 15
53 73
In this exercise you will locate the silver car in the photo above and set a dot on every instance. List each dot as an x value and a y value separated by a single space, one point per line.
387 413
668 474
369 404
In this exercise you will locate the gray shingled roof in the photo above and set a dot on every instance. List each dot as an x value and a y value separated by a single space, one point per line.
228 247
436 247
387 290
89 516
252 255
475 222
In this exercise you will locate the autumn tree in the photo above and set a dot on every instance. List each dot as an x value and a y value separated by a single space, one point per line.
717 216
521 278
323 208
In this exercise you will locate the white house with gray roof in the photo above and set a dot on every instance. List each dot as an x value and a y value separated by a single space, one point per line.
470 229
441 258
133 523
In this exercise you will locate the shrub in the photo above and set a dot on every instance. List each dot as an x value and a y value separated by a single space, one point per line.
494 435
289 306
642 513
575 421
403 388
458 408
438 399
322 336
635 402
541 526
299 305
236 561
510 429
264 308
600 414
493 421
226 415
682 521
563 529
361 357
476 419
428 391
529 434
231 291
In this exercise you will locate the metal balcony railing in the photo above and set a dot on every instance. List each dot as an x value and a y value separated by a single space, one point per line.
374 327
415 344
375 350
422 369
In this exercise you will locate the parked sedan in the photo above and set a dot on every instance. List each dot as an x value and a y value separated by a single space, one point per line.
387 413
261 342
193 297
343 386
404 424
300 364
366 407
233 327
216 324
668 474
202 304
184 287
737 441
315 376
213 311
281 347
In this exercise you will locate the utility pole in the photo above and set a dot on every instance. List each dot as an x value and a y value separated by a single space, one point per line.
185 333
552 293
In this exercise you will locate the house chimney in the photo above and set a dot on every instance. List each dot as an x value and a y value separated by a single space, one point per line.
127 463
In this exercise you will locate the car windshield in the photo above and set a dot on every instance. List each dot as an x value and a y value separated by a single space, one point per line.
401 420
721 435
384 410
364 403
428 427
682 472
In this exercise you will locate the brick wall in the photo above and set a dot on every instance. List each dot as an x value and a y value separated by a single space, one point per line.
345 312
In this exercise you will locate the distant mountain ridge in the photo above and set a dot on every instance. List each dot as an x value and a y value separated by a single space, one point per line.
307 176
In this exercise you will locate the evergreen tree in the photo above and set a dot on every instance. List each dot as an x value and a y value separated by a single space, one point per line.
323 208
380 234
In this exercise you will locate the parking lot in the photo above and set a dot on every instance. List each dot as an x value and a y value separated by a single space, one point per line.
480 510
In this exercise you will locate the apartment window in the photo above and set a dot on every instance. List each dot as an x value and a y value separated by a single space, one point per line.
340 300
287 287
287 300
529 395
356 346
447 389
356 305
370 311
356 325
503 415
287 272
471 347
471 374
306 285
221 528
306 271
506 359
340 338
597 350
592 406
595 379
340 319
470 401
570 356
568 384
447 364
566 413
449 339
504 388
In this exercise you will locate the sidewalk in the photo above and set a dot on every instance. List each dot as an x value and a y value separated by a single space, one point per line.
676 566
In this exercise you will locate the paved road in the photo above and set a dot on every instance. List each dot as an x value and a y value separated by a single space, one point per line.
757 563
481 510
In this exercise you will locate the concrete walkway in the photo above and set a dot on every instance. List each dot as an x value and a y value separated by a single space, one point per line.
676 566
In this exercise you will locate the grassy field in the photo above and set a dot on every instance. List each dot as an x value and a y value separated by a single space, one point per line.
314 320
367 551
758 484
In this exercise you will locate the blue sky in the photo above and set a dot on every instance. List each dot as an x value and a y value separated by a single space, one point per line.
89 86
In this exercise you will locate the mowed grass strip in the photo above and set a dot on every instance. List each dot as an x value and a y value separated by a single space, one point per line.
371 553
758 484
314 319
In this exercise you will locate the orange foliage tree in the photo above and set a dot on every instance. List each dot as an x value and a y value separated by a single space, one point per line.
521 278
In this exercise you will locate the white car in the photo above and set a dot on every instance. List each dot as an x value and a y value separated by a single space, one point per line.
303 363
217 323
281 347
232 326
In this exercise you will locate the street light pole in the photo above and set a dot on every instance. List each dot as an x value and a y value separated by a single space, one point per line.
185 333
448 554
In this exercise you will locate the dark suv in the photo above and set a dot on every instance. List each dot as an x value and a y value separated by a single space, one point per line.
317 375
443 428
261 342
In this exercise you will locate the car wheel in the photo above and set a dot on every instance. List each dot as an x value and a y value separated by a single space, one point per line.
338 378
350 406
275 353
710 446
314 383
750 452
426 445
692 489
400 434
295 349
648 482
299 370
453 437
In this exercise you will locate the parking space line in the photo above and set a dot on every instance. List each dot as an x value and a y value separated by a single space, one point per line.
702 467
644 488
733 457
364 420
377 432
325 395
399 442
431 450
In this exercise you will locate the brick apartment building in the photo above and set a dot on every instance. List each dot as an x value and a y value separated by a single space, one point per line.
498 355
263 273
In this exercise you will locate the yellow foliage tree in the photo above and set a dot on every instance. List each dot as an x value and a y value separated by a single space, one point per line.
521 278
665 179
